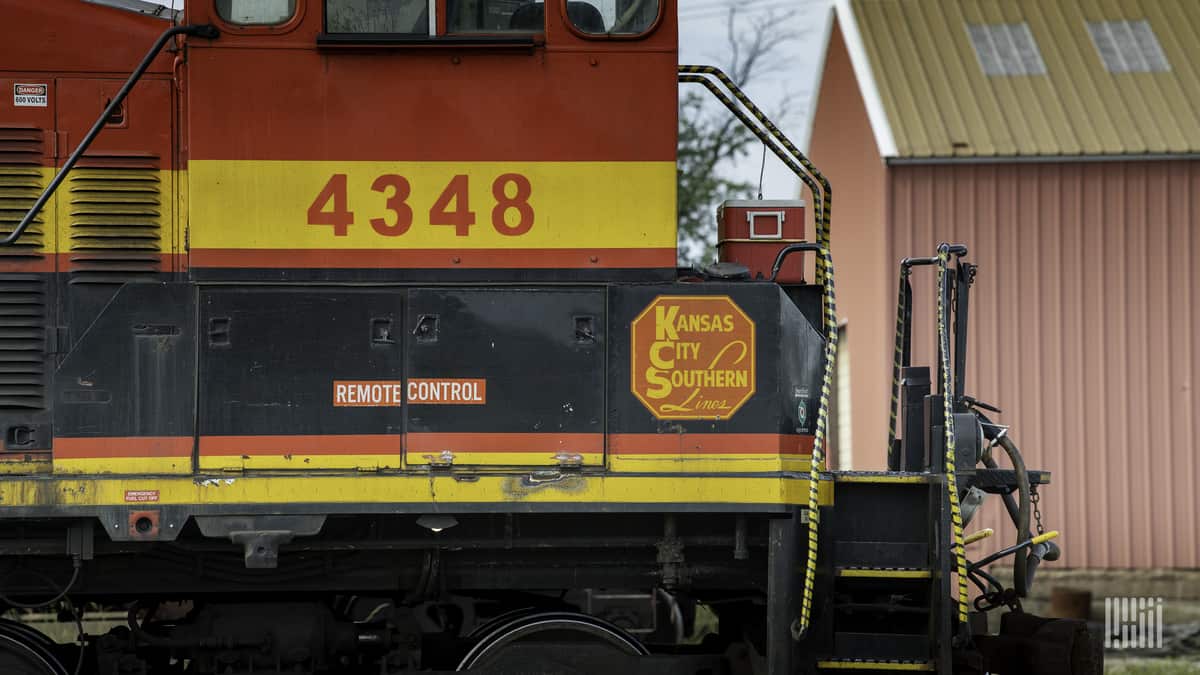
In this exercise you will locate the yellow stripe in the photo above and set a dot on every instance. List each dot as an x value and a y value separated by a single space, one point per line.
374 462
298 461
264 204
522 459
707 463
885 574
871 478
410 489
714 464
26 467
875 665
93 466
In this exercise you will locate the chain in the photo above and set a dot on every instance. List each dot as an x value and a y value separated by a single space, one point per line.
1034 498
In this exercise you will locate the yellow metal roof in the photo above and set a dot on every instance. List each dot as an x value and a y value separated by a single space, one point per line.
920 71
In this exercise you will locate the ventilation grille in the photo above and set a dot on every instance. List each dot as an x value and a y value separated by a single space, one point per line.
116 221
22 341
22 294
20 184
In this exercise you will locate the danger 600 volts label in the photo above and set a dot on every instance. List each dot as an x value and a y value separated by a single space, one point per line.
693 357
31 95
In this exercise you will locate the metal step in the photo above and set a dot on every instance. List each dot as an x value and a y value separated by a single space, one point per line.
881 646
873 665
884 573
1002 481
881 554
880 608
889 477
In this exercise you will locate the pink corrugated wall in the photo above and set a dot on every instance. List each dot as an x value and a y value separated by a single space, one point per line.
1085 329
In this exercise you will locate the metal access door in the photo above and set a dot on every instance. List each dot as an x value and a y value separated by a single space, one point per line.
505 377
301 378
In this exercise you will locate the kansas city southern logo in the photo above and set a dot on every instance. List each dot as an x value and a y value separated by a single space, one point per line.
693 357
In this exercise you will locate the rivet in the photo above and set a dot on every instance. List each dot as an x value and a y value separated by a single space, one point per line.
456 260
594 61
455 60
594 259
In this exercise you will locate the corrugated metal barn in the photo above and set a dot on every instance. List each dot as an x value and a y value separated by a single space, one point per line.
1061 142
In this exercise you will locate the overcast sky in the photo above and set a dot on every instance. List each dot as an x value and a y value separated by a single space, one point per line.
703 40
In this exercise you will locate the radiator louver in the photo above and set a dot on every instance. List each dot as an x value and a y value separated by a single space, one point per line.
20 184
22 341
116 215
22 294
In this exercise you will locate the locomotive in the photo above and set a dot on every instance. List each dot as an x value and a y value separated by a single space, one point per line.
347 336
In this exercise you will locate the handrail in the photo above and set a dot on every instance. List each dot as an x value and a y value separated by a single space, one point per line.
779 144
200 30
823 196
957 545
788 250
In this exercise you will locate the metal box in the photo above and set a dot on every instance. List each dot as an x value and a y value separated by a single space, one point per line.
751 233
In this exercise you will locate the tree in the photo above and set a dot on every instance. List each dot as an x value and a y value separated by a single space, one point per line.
711 139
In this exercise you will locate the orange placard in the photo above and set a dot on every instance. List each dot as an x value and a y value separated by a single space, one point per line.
368 394
447 391
693 357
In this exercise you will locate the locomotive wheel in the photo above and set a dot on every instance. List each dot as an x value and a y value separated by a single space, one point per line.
551 642
24 654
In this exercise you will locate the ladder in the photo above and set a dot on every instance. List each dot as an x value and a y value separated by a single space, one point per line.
890 567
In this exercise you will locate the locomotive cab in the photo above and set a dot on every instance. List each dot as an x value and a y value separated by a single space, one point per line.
484 140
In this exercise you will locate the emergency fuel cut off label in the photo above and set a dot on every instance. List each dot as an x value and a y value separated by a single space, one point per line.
693 357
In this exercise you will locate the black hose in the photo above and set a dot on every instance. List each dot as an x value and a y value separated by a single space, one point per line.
1020 562
1019 512
78 616
61 594
1010 504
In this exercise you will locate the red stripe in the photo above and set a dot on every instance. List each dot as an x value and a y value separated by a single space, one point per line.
41 264
529 258
278 446
123 447
710 444
501 443
61 262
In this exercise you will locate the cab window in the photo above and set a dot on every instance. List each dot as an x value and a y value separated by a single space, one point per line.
256 12
495 16
411 17
613 17
377 16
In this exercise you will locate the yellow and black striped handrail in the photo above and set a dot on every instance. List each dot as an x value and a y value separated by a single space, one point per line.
956 521
779 144
823 196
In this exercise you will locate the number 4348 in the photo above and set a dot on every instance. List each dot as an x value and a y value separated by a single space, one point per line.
511 192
